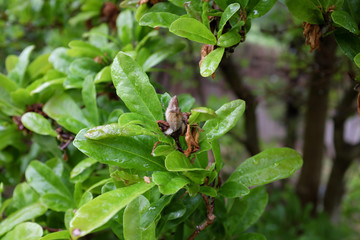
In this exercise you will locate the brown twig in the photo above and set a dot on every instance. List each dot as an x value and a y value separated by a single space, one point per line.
210 218
51 229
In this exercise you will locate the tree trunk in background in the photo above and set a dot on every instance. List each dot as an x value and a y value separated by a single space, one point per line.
235 81
317 105
344 156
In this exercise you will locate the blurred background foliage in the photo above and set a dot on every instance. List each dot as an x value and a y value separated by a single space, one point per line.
273 63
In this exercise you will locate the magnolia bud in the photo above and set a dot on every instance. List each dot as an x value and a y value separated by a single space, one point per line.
174 117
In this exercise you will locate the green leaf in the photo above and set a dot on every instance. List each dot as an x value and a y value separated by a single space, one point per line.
154 210
305 10
261 8
211 62
251 236
268 166
60 60
162 150
133 87
7 84
57 235
229 39
246 211
24 195
18 72
125 25
193 30
158 19
38 124
82 17
201 114
89 97
348 42
57 202
232 189
82 67
25 231
98 36
45 85
345 20
132 220
169 183
86 219
352 7
208 191
217 155
104 75
43 180
22 215
39 66
227 14
177 162
357 60
83 49
10 62
126 152
82 166
227 117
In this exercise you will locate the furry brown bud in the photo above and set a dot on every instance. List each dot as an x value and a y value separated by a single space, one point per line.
174 117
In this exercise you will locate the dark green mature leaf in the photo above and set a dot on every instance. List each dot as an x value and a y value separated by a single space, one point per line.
38 124
22 215
193 30
229 39
227 14
268 166
227 117
348 42
106 205
177 162
211 62
251 236
25 231
89 97
154 210
132 220
57 235
169 183
126 152
232 189
305 10
261 8
133 87
246 211
43 180
352 7
60 60
201 114
345 20
18 72
158 19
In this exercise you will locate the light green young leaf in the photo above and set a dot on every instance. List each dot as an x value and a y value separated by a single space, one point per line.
261 8
82 166
169 183
57 235
10 62
24 195
39 66
201 114
126 152
57 202
86 219
357 60
227 117
305 10
18 72
345 20
25 231
233 189
38 124
132 220
124 24
104 75
22 215
162 150
227 14
177 162
211 62
208 191
89 97
268 166
83 67
229 39
61 60
158 19
193 30
80 48
133 87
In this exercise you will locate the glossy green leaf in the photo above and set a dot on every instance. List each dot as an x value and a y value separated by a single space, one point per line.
106 205
211 62
57 202
39 66
139 119
201 114
133 87
232 189
43 180
227 14
38 124
80 48
208 191
47 84
7 84
25 231
89 97
268 166
348 42
104 75
82 17
126 152
10 62
115 130
154 210
217 155
98 36
305 10
17 74
57 235
251 236
158 19
193 30
82 166
176 162
352 7
124 24
246 211
24 195
162 150
261 8
82 67
132 220
345 20
229 39
22 215
227 117
357 60
169 183
61 60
